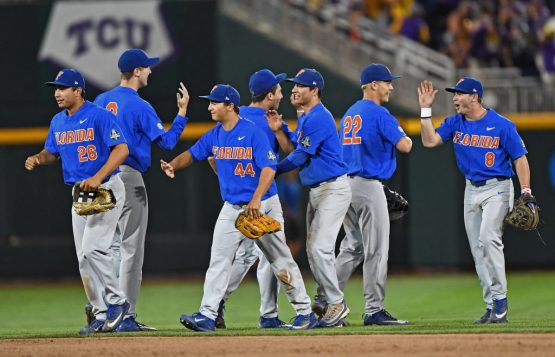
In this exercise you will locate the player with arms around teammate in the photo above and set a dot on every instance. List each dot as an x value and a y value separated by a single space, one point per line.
266 93
89 142
246 168
141 126
370 136
486 146
315 149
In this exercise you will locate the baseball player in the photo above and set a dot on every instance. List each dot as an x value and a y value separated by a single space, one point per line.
91 146
316 150
141 126
266 93
370 135
245 164
487 146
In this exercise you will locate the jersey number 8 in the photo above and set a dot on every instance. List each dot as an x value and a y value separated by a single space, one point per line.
351 128
490 159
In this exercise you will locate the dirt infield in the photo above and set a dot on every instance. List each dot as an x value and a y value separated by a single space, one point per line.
505 345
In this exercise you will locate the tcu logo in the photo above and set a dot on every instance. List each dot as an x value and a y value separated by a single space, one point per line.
108 33
88 35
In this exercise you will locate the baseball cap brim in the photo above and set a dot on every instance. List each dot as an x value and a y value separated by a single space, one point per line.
55 83
152 61
210 98
280 78
459 90
298 81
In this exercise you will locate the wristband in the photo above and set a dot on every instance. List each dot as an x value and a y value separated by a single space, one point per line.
425 113
527 190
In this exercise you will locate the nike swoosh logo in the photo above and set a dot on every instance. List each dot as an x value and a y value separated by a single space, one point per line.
500 316
241 137
488 129
268 211
82 121
198 320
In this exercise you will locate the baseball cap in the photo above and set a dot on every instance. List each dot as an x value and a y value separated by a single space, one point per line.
68 77
263 80
308 77
376 72
133 58
467 85
223 93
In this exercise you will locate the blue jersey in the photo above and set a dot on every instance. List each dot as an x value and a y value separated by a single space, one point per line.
140 124
484 148
240 155
257 116
316 135
83 141
369 134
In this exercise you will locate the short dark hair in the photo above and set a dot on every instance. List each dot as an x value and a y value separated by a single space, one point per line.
235 108
127 75
261 96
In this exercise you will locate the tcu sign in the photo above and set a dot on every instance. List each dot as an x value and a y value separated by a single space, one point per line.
90 36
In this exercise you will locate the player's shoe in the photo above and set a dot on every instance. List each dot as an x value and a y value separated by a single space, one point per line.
485 318
272 322
304 322
89 313
382 317
335 313
114 316
94 327
319 305
220 322
198 322
131 325
499 314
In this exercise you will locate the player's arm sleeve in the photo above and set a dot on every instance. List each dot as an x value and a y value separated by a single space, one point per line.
289 134
50 143
264 156
111 133
169 139
445 130
296 159
515 145
391 129
314 133
202 149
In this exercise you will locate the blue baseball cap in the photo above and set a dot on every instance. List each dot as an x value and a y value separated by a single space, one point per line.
68 77
467 85
308 77
134 58
263 80
223 93
376 72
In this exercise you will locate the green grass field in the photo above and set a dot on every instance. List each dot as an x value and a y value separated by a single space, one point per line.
432 303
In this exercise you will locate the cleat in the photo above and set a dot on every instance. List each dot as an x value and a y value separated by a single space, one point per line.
272 322
485 318
319 305
131 325
304 322
198 322
220 322
499 314
382 317
114 316
94 327
89 313
335 313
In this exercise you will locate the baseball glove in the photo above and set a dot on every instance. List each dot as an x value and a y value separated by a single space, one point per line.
255 228
91 202
397 205
525 213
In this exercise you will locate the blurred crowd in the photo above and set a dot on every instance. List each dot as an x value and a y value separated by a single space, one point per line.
482 33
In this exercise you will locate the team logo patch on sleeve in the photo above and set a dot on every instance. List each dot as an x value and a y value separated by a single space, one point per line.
160 126
306 142
114 135
271 155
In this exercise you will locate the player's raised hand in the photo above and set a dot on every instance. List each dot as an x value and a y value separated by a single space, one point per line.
275 120
182 99
426 94
167 168
32 162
